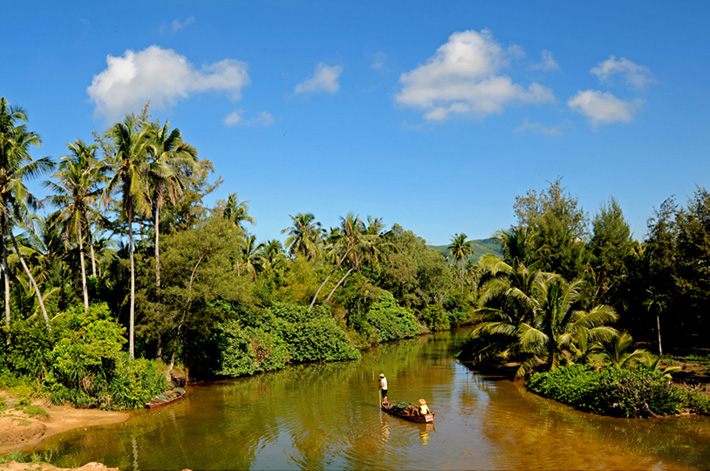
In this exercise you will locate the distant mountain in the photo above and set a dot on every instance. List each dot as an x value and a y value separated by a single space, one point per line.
480 247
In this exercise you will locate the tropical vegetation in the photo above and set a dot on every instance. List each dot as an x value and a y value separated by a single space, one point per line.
123 275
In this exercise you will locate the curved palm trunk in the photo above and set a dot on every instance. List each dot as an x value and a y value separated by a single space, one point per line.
32 282
83 271
342 280
6 281
315 297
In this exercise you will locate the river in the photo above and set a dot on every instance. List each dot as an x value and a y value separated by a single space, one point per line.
326 416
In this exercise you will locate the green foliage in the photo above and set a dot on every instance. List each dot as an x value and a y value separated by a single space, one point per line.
247 350
614 391
392 321
312 335
436 318
35 411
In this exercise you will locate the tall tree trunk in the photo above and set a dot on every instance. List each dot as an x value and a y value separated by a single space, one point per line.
342 280
461 276
33 283
157 251
84 288
315 297
6 281
132 311
93 256
658 325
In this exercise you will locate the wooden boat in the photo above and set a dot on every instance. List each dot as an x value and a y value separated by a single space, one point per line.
407 411
166 398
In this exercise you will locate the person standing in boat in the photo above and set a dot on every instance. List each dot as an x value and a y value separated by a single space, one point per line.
383 388
423 408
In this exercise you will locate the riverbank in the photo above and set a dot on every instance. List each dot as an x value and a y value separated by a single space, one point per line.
15 466
21 427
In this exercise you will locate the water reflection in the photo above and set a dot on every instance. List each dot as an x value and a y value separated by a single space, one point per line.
327 416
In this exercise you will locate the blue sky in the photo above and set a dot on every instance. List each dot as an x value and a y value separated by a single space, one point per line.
433 115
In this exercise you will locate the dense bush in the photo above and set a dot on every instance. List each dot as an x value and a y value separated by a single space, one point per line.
615 391
436 318
391 321
247 350
83 364
312 335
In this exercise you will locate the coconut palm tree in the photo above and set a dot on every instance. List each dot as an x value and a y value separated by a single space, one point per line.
169 155
16 201
130 165
460 249
616 350
75 193
558 325
251 252
305 236
237 211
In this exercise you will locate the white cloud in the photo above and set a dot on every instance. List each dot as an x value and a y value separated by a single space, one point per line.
161 77
547 63
325 79
463 78
636 75
603 107
262 119
178 25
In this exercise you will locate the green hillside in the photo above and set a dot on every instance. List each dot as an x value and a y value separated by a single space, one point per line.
480 247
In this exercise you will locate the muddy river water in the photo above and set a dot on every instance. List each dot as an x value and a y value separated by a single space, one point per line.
326 416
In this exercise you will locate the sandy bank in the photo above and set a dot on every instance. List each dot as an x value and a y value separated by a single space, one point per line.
18 430
15 466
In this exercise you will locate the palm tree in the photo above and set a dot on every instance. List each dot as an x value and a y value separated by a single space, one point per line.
237 211
305 236
557 325
272 254
656 302
75 193
251 253
169 154
460 249
16 201
615 349
130 165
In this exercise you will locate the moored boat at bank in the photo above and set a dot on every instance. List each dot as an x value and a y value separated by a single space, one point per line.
166 398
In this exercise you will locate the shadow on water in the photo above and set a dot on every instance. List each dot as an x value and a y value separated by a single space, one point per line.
327 415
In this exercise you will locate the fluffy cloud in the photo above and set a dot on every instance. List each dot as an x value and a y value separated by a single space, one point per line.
634 74
262 119
603 107
548 62
161 77
325 79
463 78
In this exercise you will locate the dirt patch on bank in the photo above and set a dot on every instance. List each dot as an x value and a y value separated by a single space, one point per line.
18 429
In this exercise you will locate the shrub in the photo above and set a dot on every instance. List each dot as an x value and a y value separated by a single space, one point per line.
612 391
436 318
392 321
312 335
247 350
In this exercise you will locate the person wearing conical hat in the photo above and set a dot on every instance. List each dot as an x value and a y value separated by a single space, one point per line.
423 408
383 387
